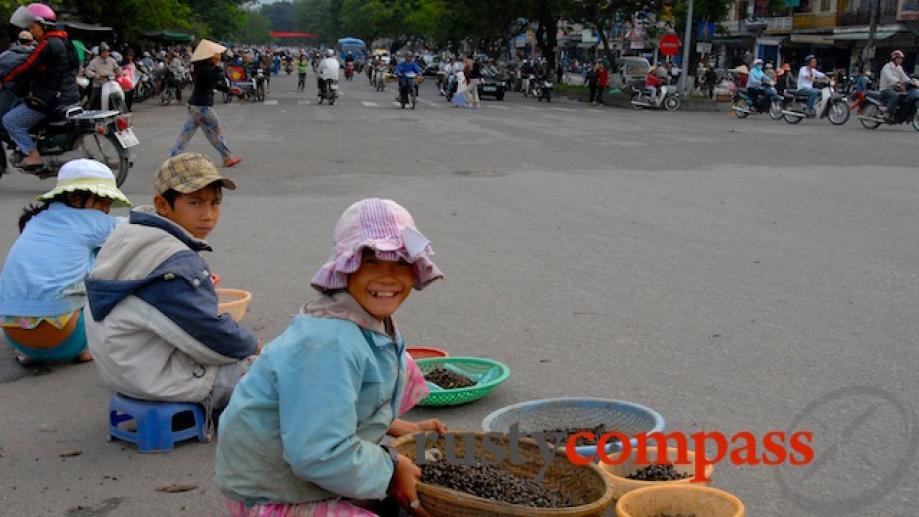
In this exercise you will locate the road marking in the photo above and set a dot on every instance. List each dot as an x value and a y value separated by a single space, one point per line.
495 106
567 110
369 104
531 108
301 103
270 103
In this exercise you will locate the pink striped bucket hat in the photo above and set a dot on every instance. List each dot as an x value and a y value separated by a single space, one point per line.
389 230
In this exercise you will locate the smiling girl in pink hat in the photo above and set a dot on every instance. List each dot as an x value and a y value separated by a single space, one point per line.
302 433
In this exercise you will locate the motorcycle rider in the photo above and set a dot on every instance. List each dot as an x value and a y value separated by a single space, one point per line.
407 66
101 69
806 77
893 80
12 93
526 70
146 62
653 81
757 84
51 72
328 69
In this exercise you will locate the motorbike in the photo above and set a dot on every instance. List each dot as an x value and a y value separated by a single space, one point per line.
743 105
145 87
349 71
542 89
260 79
871 116
529 85
667 98
170 84
829 105
407 91
72 133
328 91
112 96
289 68
379 78
451 87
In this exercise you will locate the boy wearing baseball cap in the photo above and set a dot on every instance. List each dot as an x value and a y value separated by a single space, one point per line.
155 332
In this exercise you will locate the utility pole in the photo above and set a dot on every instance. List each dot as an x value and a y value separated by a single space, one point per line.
687 39
868 52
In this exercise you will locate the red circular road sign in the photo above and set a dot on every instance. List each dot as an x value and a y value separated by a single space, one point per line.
669 45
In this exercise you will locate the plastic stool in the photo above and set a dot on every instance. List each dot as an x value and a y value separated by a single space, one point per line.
154 422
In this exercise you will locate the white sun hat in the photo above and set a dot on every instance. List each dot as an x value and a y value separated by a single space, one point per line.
84 175
206 50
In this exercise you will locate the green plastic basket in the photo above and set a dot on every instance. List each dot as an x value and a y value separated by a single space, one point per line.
473 367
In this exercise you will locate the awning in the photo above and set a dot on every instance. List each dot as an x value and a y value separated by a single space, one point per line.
862 36
86 27
813 39
179 37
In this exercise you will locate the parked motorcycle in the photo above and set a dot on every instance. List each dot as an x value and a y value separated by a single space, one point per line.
71 133
328 91
667 98
829 105
145 86
871 115
743 105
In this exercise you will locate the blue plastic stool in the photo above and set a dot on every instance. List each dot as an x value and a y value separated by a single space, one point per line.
154 422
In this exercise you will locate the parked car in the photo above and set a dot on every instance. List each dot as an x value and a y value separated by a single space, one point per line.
490 85
632 71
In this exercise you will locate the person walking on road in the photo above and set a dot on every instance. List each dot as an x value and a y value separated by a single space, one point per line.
201 104
591 80
602 81
474 79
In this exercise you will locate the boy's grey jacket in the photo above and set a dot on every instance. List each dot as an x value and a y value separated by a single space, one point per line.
154 332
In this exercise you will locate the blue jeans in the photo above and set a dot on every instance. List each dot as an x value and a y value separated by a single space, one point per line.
18 121
812 94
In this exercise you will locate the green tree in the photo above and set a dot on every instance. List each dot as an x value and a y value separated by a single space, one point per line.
255 28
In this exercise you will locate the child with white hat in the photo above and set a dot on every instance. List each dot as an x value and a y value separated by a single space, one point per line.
42 290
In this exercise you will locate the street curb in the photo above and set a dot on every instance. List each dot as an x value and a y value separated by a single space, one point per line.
621 101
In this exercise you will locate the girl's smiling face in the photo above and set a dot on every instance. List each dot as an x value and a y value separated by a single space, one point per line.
380 286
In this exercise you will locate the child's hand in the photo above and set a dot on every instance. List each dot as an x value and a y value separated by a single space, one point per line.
402 487
432 425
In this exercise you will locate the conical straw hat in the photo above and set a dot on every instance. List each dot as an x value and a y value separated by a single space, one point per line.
206 50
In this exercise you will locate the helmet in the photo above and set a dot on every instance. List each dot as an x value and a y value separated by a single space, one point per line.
146 54
896 54
33 13
329 52
809 57
757 62
104 46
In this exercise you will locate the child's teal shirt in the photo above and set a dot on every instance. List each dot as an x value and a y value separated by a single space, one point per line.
305 423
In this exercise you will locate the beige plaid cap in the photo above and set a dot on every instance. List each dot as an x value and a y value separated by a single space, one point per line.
187 173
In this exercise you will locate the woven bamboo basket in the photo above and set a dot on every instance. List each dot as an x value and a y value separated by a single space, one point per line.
585 485
679 499
623 485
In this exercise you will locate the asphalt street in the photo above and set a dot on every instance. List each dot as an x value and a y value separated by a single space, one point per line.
732 274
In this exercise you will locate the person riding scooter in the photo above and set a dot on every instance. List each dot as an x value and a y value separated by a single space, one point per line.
892 82
51 73
328 69
403 69
758 84
653 81
101 69
806 77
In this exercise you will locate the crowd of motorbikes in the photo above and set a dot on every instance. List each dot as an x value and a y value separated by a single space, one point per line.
835 104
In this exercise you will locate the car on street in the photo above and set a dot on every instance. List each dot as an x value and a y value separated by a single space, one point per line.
490 85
